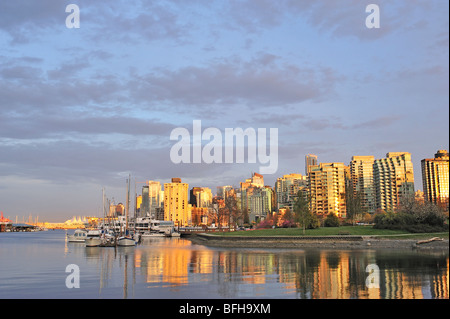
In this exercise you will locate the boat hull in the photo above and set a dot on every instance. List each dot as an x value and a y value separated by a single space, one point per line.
93 242
75 240
153 235
126 241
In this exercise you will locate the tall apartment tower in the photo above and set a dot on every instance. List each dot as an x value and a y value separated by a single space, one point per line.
361 181
144 210
310 160
393 177
259 201
287 187
176 204
327 189
151 199
435 178
200 197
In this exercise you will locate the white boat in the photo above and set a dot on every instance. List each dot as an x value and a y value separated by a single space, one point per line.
172 233
152 234
93 238
79 236
126 241
175 234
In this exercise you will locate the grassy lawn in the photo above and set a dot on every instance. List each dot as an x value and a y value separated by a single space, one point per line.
330 231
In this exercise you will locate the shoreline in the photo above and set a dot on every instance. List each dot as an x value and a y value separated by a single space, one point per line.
327 242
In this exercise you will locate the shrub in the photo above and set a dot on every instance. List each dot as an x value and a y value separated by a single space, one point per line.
266 223
331 221
413 217
314 222
289 223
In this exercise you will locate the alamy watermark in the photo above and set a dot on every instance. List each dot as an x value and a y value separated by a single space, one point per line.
73 279
73 19
373 279
221 147
373 19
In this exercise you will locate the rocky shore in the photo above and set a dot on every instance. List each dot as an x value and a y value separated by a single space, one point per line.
328 242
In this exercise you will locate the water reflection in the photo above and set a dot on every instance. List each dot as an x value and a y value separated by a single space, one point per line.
175 268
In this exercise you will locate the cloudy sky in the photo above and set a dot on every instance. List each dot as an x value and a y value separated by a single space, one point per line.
82 108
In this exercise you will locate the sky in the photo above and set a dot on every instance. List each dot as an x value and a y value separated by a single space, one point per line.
82 109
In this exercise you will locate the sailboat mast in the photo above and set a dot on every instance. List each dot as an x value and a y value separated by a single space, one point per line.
128 203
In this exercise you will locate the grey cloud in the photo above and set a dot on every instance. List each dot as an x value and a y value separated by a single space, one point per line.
131 21
52 126
67 161
377 122
338 18
255 83
23 19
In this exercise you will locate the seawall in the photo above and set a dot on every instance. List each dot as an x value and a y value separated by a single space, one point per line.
304 242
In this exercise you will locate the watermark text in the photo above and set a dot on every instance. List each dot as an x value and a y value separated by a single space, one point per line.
225 149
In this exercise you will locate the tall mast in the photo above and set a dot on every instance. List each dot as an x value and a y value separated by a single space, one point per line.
128 203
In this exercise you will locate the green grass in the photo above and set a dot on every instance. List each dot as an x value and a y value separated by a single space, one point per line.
330 231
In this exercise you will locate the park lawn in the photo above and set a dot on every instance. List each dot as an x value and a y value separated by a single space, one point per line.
331 231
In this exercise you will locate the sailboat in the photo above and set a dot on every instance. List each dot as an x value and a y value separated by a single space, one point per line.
126 239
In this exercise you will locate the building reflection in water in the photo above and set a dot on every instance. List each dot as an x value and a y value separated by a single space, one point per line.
316 274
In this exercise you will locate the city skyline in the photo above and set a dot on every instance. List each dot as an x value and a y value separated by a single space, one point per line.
82 108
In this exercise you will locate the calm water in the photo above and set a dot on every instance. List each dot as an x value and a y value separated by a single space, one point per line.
33 265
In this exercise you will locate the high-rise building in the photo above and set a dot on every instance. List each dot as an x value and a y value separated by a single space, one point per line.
145 206
361 182
255 198
435 178
200 197
393 179
287 188
154 192
176 205
221 190
151 199
327 189
259 201
256 180
310 160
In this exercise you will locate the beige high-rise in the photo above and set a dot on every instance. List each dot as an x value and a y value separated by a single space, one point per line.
435 178
393 178
327 189
361 177
176 204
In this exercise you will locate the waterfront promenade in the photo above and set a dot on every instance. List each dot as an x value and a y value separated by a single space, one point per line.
338 241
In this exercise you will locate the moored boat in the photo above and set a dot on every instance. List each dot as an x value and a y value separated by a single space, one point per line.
93 238
126 241
79 236
152 234
172 233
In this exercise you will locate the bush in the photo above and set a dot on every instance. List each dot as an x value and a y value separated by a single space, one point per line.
288 224
266 223
331 221
413 217
314 222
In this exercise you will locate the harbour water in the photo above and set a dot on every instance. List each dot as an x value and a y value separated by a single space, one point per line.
33 265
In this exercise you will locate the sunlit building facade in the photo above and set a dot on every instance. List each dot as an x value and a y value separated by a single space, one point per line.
435 178
151 199
176 204
255 198
361 181
310 161
327 189
393 179
200 197
287 188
